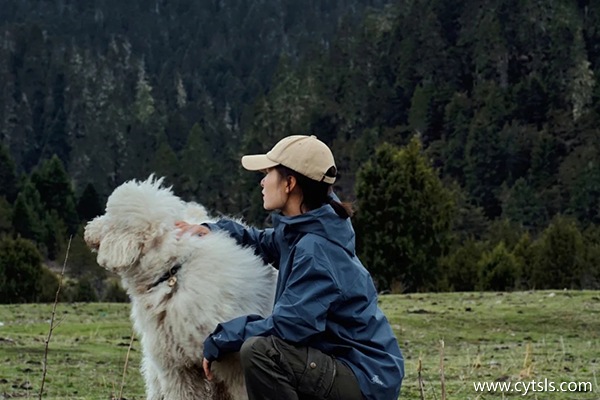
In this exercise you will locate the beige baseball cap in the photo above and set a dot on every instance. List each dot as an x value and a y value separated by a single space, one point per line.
306 155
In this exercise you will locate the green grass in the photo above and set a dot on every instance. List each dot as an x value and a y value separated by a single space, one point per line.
522 336
86 354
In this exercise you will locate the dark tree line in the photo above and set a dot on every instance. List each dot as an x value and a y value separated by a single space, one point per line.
502 95
504 98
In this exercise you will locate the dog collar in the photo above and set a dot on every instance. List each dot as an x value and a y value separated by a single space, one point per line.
169 275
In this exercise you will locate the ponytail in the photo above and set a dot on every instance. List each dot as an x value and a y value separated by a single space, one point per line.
344 210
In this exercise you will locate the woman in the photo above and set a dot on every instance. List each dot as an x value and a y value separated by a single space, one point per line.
326 337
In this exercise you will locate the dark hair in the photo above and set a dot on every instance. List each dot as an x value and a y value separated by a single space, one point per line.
315 193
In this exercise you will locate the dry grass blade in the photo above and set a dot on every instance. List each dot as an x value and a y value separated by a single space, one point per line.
442 377
126 363
52 325
420 379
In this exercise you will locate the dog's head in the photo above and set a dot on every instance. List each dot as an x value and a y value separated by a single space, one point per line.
138 215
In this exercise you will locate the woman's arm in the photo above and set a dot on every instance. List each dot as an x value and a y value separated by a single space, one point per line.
261 240
300 312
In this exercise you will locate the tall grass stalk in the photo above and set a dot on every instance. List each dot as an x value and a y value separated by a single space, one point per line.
52 318
126 364
442 376
420 378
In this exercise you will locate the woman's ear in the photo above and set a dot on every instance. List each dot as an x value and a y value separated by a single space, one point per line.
290 184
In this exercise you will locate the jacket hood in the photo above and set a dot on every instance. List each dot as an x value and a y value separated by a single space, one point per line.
322 221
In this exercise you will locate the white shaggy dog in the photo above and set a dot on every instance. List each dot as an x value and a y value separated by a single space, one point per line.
180 288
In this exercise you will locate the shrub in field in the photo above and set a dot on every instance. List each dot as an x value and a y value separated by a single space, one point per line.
20 270
497 269
81 290
115 293
559 254
524 253
5 216
404 217
48 285
591 259
459 268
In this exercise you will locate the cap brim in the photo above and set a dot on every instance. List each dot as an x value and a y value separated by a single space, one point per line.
258 162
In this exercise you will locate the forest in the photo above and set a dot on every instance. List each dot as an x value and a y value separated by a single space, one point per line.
465 132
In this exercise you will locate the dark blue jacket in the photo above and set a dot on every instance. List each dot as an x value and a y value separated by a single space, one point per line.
324 299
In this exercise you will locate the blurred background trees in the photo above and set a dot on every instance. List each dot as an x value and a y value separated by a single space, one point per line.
465 133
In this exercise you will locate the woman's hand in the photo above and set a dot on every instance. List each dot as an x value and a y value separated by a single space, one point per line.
206 367
192 229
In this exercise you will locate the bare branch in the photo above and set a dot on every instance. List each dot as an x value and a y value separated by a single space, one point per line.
125 367
420 379
52 325
442 376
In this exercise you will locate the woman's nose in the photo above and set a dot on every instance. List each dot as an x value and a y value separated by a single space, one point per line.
262 183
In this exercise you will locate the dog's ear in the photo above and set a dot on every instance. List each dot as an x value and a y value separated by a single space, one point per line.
119 249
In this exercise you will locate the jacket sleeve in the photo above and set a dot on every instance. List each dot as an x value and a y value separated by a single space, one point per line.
299 314
261 240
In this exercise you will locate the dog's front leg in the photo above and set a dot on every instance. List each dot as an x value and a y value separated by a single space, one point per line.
150 373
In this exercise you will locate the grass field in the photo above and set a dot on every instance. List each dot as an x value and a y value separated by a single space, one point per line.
546 337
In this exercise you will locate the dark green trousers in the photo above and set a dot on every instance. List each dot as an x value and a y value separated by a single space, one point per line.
277 370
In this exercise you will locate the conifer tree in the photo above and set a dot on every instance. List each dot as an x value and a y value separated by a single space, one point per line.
165 163
8 175
584 193
28 218
522 205
591 261
404 217
89 205
498 269
20 270
196 169
5 216
457 115
485 158
459 269
56 191
559 255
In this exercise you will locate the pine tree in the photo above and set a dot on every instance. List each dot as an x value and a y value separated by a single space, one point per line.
165 163
498 269
404 217
58 141
584 193
5 216
419 117
143 107
591 261
532 98
559 254
197 169
28 218
459 268
88 205
20 271
457 117
56 191
485 158
525 254
522 205
8 175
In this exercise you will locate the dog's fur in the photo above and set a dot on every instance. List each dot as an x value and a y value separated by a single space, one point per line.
217 280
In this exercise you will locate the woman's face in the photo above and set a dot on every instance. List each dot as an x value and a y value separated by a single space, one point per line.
274 190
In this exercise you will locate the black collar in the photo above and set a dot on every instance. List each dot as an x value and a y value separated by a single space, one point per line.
166 276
